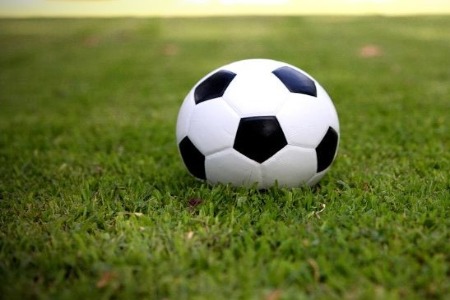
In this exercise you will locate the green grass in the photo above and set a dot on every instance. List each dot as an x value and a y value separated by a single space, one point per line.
96 203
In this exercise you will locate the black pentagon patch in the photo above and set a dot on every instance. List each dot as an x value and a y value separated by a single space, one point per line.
295 81
326 149
259 138
193 158
214 86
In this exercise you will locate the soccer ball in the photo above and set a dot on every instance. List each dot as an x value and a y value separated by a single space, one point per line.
258 122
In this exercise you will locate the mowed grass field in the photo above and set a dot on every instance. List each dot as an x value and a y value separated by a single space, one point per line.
95 202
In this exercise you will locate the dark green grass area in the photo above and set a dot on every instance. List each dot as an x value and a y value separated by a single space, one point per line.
96 203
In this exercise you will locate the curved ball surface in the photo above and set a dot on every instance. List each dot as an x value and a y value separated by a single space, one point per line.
258 121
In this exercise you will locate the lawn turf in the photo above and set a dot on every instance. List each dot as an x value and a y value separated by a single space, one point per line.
96 203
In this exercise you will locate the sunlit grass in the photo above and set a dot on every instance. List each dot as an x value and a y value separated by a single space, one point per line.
95 201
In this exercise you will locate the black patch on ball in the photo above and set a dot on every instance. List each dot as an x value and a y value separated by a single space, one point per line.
193 158
214 86
327 149
295 81
259 138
